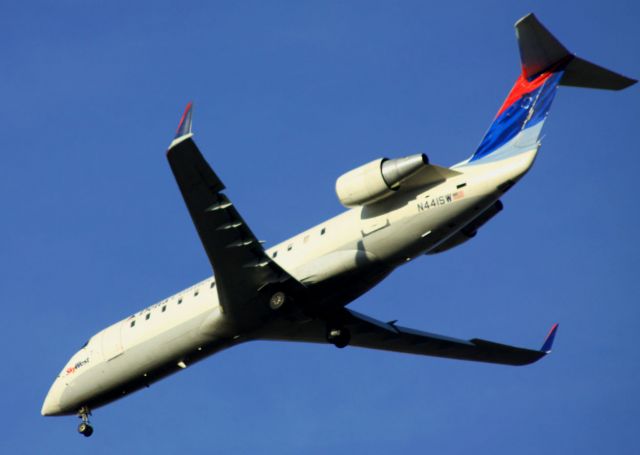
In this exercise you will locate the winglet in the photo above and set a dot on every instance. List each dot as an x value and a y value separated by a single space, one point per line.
548 342
184 127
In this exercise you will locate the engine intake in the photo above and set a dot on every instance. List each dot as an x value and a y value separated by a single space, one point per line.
377 180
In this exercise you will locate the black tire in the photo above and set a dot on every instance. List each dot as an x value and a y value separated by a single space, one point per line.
85 429
277 300
340 338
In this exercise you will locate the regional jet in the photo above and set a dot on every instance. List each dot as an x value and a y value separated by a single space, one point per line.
398 210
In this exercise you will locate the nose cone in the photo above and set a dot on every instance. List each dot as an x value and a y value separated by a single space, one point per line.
51 405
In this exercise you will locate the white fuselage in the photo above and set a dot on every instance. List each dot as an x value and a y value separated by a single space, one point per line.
190 325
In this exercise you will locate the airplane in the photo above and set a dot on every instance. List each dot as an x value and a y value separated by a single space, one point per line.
298 290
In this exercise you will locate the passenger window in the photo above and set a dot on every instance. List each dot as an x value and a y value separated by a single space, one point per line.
133 323
290 247
275 253
179 301
164 308
322 231
195 294
147 316
213 284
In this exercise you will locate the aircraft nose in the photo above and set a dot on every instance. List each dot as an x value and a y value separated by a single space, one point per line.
51 405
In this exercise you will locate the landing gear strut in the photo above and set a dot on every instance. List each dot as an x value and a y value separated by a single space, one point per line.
85 428
338 336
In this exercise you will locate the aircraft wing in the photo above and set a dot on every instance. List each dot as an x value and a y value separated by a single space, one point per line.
239 262
370 333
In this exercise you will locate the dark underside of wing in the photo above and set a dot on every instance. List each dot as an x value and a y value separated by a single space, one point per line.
239 262
369 333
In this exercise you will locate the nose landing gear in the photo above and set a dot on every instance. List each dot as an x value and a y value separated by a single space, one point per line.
85 428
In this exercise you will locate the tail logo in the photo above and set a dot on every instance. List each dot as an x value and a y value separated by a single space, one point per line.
527 105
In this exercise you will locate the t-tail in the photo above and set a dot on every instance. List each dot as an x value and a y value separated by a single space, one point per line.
546 64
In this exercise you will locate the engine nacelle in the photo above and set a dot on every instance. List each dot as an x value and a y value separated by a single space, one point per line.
377 180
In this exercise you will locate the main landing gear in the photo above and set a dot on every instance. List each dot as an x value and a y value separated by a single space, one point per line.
85 428
277 300
338 336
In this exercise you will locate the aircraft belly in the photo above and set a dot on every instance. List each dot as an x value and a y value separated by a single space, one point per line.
413 236
447 226
337 278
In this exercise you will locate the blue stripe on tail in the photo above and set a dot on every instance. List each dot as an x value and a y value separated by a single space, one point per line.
525 111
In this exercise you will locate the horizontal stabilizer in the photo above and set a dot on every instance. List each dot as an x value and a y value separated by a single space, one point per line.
581 73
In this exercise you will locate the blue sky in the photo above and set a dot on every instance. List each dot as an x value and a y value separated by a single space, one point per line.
288 96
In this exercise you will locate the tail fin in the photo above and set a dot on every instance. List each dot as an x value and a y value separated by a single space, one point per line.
540 51
546 63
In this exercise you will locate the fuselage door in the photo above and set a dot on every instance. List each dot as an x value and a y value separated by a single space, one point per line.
112 342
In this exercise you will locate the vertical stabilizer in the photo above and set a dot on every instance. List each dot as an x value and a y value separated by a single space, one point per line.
545 64
540 51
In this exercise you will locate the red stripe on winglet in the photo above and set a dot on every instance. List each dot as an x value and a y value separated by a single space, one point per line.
184 116
553 329
548 342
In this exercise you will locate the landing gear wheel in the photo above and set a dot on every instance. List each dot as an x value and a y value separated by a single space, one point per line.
277 300
339 337
85 429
